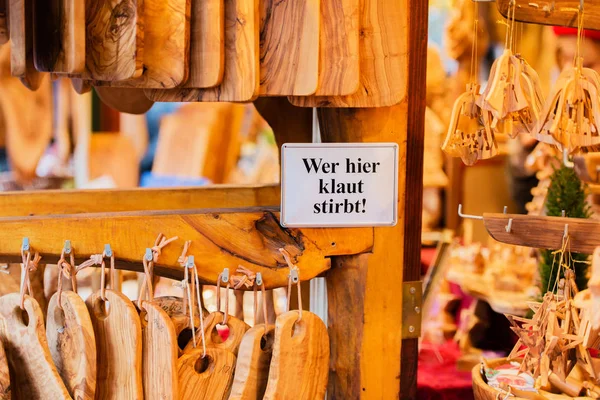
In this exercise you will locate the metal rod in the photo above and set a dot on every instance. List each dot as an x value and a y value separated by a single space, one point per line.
468 216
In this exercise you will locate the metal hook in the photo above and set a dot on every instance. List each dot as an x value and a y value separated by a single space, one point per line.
508 226
190 262
294 276
563 213
468 216
25 244
225 275
67 247
505 210
566 231
259 280
566 162
107 250
148 255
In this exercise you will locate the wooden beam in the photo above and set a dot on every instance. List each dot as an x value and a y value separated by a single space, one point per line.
544 232
220 239
556 12
46 202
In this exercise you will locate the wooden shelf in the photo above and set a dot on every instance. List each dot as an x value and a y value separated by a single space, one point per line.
558 12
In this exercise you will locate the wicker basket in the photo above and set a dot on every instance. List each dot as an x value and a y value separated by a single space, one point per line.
481 390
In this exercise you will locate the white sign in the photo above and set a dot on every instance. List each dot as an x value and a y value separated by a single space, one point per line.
339 184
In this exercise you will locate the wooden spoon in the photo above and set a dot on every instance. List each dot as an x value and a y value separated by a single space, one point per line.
207 378
237 329
4 375
300 363
72 343
127 100
118 333
32 372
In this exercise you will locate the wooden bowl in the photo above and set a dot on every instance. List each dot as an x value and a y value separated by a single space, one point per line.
481 390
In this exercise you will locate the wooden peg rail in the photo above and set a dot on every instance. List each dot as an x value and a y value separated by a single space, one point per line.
220 239
558 12
542 232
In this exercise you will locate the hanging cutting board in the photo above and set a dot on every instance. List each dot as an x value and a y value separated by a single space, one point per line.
118 332
237 329
114 39
33 375
127 100
289 47
21 44
166 46
179 316
72 344
159 354
207 378
207 44
241 74
5 391
300 363
4 34
252 368
59 35
383 58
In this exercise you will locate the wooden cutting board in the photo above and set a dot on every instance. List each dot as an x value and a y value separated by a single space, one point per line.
127 100
118 334
241 74
21 44
237 329
159 354
4 34
206 379
300 364
252 368
72 343
383 58
207 44
289 47
5 391
59 35
114 39
166 46
33 375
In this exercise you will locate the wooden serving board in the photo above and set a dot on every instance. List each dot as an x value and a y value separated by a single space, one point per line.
4 33
383 58
166 46
289 47
241 75
33 375
118 333
59 35
207 44
21 44
126 100
237 329
5 391
72 343
213 381
114 39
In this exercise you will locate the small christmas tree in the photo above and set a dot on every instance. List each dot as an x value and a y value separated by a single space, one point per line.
566 192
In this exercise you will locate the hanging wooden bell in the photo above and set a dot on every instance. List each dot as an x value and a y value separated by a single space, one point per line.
469 137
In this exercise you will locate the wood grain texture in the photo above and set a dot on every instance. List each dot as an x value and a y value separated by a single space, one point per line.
383 44
47 202
207 44
559 12
252 368
119 346
32 372
300 359
72 343
251 238
114 39
213 381
5 390
127 100
166 46
237 329
21 44
241 74
289 47
4 32
59 35
159 354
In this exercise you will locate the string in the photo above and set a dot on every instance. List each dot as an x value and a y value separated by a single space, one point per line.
197 280
67 270
186 287
182 260
293 269
160 242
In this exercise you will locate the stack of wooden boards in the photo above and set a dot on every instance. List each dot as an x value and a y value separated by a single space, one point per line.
326 53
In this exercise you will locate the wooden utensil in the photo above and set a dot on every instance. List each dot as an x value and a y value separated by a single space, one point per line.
72 344
159 353
59 35
237 329
5 389
127 100
289 47
241 75
21 44
207 44
207 378
166 46
252 367
382 59
32 372
300 363
114 39
118 332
